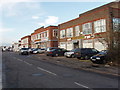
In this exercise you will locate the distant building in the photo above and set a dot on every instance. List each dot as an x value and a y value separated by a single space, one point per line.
92 29
25 42
15 47
45 37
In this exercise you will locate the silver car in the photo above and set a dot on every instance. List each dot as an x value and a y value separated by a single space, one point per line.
70 54
39 50
24 51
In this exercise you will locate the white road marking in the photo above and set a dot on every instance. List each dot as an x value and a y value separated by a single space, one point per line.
22 61
47 71
18 59
81 85
27 63
37 67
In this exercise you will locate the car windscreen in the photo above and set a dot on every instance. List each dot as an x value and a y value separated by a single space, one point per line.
24 48
102 53
76 50
53 50
35 49
73 50
42 49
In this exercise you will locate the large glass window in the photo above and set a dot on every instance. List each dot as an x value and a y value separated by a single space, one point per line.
100 26
77 30
36 36
55 32
62 34
116 24
39 36
45 34
69 32
87 28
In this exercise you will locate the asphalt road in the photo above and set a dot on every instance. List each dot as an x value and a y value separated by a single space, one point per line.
26 71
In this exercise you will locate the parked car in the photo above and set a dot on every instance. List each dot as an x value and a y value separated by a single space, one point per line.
24 51
70 54
39 50
100 58
56 52
36 50
51 48
42 50
85 53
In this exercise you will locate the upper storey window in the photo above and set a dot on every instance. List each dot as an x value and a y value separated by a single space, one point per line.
100 26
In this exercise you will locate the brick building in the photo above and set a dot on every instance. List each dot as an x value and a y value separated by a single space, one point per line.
45 37
92 29
26 42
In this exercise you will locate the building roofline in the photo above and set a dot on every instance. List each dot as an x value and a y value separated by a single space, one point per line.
81 15
25 37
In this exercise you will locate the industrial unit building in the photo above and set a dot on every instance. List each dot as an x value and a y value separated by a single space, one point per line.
26 42
92 29
45 37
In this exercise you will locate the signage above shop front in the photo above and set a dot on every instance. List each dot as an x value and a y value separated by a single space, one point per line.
81 37
69 39
44 39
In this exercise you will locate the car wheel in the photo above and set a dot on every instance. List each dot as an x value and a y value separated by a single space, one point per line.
56 55
86 57
104 61
72 56
78 57
52 55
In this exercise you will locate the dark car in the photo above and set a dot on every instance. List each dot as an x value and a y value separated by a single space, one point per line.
24 51
56 52
51 48
100 58
85 53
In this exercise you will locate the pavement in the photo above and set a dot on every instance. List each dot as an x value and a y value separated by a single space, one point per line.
0 69
81 64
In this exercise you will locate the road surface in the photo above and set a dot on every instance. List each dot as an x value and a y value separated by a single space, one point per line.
26 71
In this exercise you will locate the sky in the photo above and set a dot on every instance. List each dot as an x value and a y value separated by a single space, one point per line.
19 18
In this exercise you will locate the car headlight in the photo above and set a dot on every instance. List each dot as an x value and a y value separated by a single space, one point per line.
97 58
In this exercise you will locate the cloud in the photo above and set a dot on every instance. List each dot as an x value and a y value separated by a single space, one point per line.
35 17
3 30
50 20
15 8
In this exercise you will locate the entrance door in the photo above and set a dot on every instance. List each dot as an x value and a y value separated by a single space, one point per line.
76 45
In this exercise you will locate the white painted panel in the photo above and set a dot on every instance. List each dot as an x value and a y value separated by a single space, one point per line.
87 44
69 46
99 46
63 45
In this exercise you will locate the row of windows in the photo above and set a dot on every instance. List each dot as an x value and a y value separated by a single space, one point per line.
99 26
45 34
40 35
55 33
116 24
24 41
